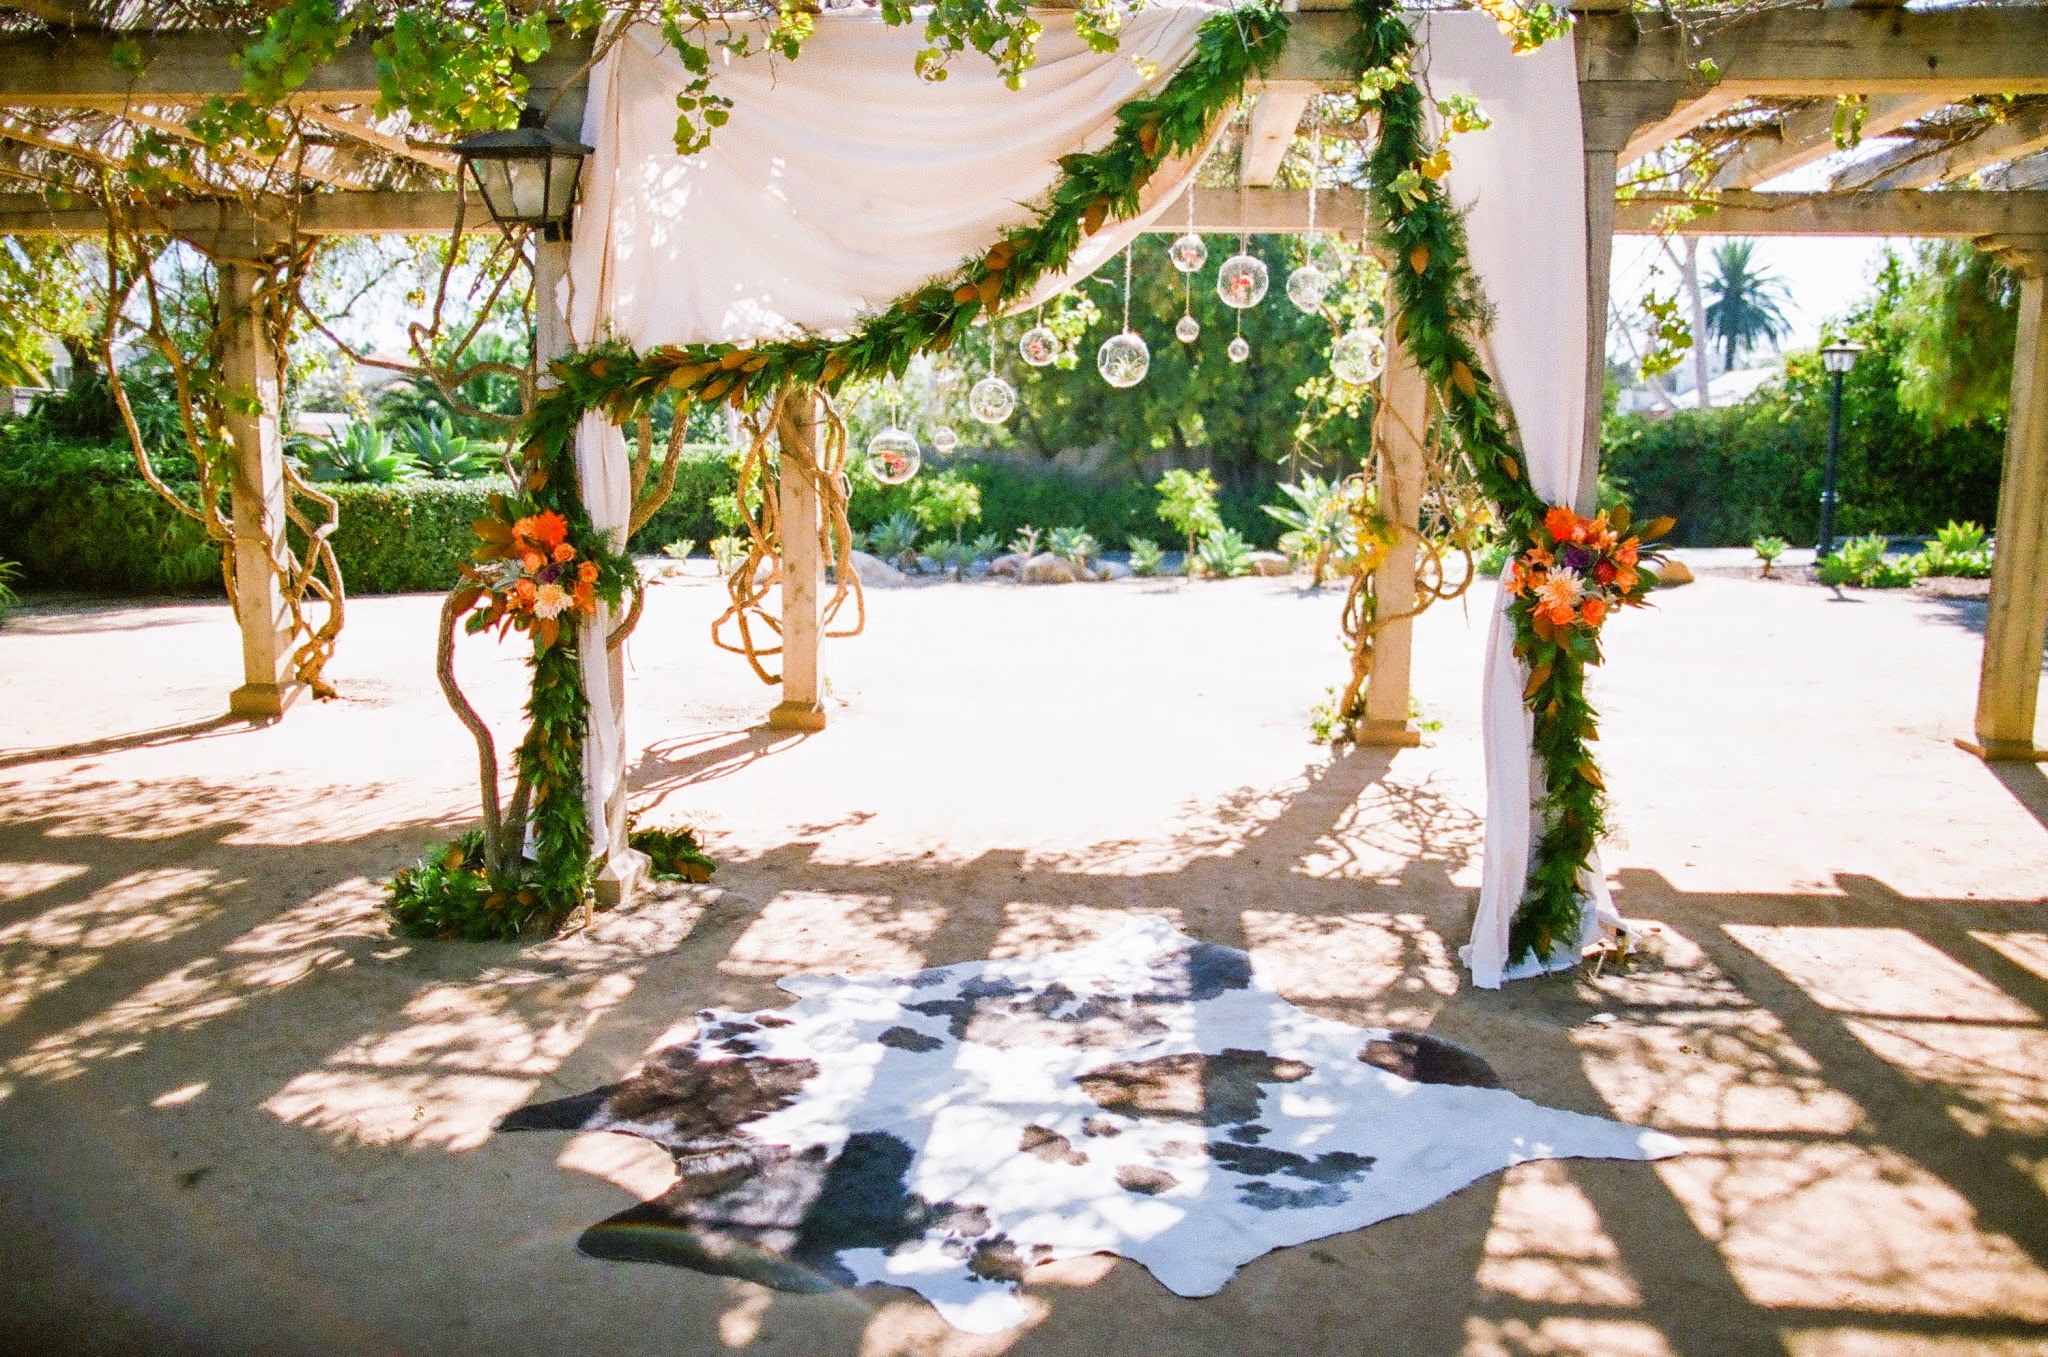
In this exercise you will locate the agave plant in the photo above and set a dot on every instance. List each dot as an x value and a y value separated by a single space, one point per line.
895 539
1768 549
1319 523
441 453
1224 554
1146 556
1960 549
1073 544
365 455
984 546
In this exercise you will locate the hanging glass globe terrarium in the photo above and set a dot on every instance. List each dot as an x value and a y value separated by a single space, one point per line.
992 400
1039 346
1188 253
1306 288
1239 350
893 456
1187 329
944 440
1123 359
1242 281
1358 356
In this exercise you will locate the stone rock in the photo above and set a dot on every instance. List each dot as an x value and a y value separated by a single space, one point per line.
976 570
1006 565
1046 568
1112 570
1671 574
876 573
1271 563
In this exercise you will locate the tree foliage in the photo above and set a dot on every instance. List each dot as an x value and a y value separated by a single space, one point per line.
1746 310
1954 316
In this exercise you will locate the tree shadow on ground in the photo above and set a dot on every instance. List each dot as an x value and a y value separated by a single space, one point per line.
224 724
1856 1076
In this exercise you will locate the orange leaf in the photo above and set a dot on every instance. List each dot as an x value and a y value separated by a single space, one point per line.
1462 378
1092 219
492 529
1591 774
733 359
466 598
1510 468
1657 527
1537 679
1000 255
536 478
1418 258
1148 139
546 631
991 289
966 292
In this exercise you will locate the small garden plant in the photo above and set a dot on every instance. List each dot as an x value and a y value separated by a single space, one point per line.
441 454
1224 554
365 455
1146 556
1074 544
1768 550
728 551
948 501
672 854
1187 501
1861 564
1025 543
894 539
680 549
1961 550
984 547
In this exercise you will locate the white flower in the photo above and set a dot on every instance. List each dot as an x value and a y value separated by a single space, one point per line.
550 601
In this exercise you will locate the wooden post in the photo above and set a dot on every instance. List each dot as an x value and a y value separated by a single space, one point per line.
2017 626
256 497
1601 166
803 575
1403 426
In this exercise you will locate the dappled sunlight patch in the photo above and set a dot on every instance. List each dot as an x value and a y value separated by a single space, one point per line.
1546 1245
1563 1336
1793 1220
24 879
1395 965
1392 824
1032 928
911 1329
1718 1070
1924 1012
470 1054
845 934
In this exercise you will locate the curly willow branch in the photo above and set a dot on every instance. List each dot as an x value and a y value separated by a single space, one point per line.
760 508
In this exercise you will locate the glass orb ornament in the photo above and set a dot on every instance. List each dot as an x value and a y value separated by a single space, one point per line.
1123 359
893 457
992 400
1188 253
1039 346
944 440
948 377
1187 329
1358 356
1239 350
1242 281
1306 288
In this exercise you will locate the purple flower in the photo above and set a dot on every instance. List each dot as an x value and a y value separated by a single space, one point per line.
1578 558
549 574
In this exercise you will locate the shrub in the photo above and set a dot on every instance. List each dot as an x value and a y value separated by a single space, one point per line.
1025 543
9 600
895 539
1492 558
984 547
1958 549
947 500
1187 503
407 538
1224 554
1146 556
1861 563
704 475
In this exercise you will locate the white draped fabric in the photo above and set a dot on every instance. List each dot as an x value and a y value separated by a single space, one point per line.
842 181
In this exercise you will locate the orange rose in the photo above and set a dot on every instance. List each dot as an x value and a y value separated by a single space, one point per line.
564 553
1596 610
1628 552
525 591
533 560
587 572
585 598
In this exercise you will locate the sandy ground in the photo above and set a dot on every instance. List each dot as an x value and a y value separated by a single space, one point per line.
237 1116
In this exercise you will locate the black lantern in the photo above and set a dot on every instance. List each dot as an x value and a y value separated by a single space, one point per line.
527 175
1837 359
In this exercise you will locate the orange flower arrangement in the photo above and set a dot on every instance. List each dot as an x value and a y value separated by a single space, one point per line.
1577 570
533 576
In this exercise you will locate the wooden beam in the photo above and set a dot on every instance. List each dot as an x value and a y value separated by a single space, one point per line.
1958 214
370 134
1274 211
1690 112
1809 135
1274 118
366 213
1957 51
76 70
1919 165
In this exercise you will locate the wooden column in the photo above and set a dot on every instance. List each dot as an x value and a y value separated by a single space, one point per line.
1403 427
803 574
2017 627
256 497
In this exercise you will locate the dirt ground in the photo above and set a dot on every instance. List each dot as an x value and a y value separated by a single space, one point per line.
236 1115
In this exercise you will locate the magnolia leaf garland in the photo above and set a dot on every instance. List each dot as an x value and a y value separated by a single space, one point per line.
1440 317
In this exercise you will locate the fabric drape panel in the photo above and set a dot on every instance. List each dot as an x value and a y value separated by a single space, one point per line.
841 181
1521 184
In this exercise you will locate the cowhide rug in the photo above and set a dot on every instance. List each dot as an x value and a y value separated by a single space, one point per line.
1147 1095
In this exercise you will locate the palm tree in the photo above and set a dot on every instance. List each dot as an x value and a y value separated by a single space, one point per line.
1748 302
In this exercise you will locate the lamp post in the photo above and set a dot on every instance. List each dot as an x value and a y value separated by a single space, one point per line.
1837 359
527 175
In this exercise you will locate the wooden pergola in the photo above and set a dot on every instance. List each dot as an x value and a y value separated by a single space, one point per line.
1964 89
